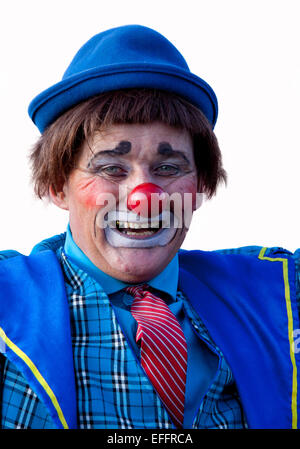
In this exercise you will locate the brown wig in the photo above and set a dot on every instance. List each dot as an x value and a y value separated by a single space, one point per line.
54 155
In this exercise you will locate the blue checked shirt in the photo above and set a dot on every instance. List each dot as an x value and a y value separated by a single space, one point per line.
106 397
165 286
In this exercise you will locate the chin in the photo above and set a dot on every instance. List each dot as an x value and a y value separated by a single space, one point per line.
143 264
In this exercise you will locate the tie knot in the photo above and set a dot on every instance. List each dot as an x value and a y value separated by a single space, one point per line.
144 297
138 290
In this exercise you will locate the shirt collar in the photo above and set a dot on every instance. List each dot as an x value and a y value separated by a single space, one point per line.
165 281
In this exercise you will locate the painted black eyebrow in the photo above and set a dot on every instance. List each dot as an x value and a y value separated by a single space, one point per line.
123 147
165 149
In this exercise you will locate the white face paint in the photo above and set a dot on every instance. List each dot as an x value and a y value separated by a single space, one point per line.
128 230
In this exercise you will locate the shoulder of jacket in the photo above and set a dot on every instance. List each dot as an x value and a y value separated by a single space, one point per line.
8 254
53 244
253 250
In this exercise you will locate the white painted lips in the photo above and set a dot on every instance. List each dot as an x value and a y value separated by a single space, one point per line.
127 229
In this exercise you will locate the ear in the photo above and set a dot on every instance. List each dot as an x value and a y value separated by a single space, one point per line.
60 199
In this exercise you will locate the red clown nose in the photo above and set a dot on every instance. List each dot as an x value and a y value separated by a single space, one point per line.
147 199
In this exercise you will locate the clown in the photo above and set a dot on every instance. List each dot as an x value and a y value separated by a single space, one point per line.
111 324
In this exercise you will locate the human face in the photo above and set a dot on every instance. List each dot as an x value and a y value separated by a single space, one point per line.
126 156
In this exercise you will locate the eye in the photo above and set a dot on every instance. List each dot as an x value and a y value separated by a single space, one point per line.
109 170
167 170
114 170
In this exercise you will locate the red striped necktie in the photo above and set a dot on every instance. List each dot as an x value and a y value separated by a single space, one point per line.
163 349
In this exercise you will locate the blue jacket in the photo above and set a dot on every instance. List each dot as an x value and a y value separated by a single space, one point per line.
247 302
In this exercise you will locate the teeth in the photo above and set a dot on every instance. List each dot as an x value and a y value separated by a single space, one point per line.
155 224
141 233
125 224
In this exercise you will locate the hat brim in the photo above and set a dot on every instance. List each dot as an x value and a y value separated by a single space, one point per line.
51 103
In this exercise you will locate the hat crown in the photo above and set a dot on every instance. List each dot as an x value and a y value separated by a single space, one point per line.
126 57
129 44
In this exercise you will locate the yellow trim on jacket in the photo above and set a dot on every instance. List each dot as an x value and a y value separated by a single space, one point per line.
290 329
37 375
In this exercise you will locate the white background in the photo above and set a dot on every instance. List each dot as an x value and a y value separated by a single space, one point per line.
247 50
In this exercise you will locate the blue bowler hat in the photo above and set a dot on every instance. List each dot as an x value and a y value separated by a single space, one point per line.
130 56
